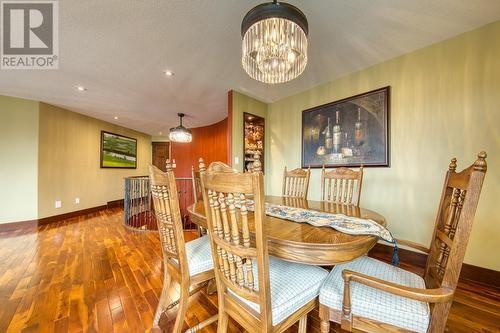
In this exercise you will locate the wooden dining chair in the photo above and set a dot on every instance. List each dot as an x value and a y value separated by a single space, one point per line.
195 175
296 182
262 293
197 195
190 264
295 202
373 296
341 185
339 208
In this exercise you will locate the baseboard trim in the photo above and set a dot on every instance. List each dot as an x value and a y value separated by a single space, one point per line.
22 225
384 252
115 203
33 224
469 272
55 218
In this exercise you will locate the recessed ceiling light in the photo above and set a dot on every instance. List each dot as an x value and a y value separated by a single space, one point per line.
169 73
116 118
80 88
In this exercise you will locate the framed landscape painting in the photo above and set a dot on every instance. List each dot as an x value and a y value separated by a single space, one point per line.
351 132
118 151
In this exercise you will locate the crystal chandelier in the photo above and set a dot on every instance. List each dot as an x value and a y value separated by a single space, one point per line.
180 133
274 42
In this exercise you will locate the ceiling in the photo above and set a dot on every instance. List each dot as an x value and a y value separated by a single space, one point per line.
119 50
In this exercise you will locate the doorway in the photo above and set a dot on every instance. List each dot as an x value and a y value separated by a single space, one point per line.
161 152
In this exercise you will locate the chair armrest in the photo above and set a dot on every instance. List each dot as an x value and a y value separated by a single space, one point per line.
413 245
437 295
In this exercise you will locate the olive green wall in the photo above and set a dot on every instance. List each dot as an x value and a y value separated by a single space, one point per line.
160 138
445 103
69 159
48 154
18 159
241 104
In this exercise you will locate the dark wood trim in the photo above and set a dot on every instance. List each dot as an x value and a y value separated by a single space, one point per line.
55 218
484 276
384 252
21 225
33 224
115 204
481 275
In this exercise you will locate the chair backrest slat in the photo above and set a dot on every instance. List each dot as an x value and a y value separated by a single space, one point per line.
296 183
235 227
195 175
168 215
346 185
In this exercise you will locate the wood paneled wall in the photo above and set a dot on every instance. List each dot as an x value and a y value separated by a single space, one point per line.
209 142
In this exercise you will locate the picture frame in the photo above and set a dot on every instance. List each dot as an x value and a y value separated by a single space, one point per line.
350 132
118 151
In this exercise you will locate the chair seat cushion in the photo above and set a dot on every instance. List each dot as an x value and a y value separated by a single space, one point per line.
292 286
199 255
375 304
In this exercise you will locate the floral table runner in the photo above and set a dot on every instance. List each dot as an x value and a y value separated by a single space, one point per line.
347 224
340 222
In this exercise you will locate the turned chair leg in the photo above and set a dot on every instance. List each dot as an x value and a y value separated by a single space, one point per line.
223 322
325 326
162 303
303 324
181 312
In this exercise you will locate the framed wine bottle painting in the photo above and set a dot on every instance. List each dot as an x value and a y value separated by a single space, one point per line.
350 132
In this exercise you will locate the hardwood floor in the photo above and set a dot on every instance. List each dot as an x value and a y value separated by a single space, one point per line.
90 274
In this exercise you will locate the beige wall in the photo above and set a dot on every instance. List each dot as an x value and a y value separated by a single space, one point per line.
445 103
160 138
69 159
18 159
241 104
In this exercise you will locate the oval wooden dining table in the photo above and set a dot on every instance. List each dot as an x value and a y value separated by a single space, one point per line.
304 243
